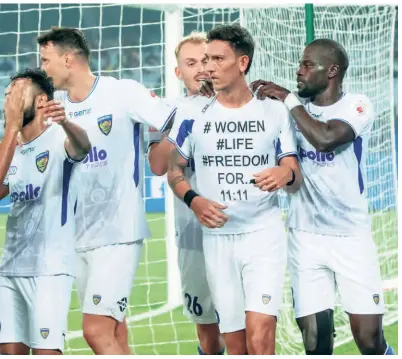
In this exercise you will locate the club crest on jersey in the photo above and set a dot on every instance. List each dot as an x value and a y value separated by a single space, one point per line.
266 298
361 109
96 298
376 298
41 161
44 332
105 124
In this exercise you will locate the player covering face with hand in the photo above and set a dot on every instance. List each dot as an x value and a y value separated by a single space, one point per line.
330 238
37 267
235 141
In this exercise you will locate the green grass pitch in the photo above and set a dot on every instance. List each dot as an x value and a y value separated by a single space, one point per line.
168 333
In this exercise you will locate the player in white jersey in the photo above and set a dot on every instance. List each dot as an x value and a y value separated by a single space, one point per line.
111 222
197 301
236 141
330 242
38 262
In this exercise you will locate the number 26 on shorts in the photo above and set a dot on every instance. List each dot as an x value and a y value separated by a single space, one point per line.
195 307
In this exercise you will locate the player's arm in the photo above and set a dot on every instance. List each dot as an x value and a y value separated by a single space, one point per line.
286 174
207 212
144 107
4 191
158 156
13 113
77 143
324 136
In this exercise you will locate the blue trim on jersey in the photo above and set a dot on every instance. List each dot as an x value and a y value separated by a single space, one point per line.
171 140
25 144
136 143
358 148
182 153
67 170
286 154
172 114
90 92
278 147
186 127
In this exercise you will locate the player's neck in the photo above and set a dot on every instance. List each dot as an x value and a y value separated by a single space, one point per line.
80 85
329 96
33 129
236 96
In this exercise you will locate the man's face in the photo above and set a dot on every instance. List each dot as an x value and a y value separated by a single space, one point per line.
224 66
29 99
191 65
312 75
53 62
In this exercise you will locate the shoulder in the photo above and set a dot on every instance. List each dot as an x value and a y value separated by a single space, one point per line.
195 105
273 107
359 104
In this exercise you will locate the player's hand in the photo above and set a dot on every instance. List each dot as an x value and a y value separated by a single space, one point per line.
269 89
207 88
209 213
54 111
14 105
272 179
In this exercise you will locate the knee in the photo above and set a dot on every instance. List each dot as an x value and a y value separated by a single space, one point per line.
369 340
209 338
261 335
317 332
261 343
94 332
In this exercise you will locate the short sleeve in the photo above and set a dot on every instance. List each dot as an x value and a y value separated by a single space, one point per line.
181 133
359 114
286 143
144 106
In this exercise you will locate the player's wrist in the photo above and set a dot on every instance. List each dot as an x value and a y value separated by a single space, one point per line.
293 177
189 196
291 101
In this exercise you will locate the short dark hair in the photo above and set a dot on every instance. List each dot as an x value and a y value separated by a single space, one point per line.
238 37
66 37
39 78
335 51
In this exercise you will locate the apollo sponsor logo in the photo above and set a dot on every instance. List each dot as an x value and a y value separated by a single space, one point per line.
325 159
31 193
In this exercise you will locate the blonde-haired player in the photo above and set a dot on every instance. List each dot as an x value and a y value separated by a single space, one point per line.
198 306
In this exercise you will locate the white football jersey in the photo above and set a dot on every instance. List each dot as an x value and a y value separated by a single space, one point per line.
40 234
188 229
331 199
229 146
110 205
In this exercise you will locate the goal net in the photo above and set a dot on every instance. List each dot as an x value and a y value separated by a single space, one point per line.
137 42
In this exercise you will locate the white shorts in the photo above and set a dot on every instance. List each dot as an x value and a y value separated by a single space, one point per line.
246 272
197 300
105 278
320 263
34 310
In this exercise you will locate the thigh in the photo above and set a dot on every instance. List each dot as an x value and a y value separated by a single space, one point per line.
13 313
48 299
111 275
312 281
197 300
358 275
264 255
224 280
